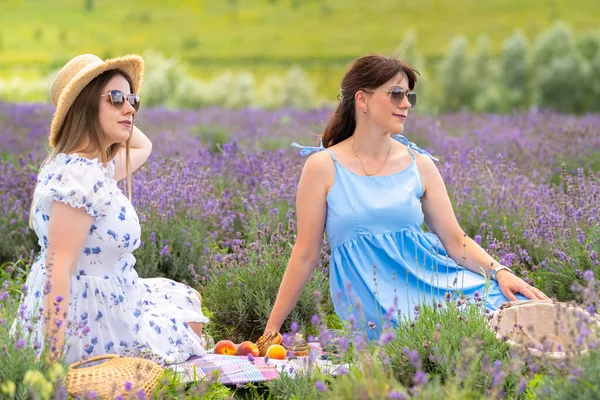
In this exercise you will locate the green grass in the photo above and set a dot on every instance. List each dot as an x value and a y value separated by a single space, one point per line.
37 37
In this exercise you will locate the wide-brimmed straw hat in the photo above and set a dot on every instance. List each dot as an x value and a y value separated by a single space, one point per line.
80 71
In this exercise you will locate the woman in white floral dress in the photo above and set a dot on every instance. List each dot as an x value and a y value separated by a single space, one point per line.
83 296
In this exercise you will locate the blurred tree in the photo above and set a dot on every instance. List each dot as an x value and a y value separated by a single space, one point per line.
298 88
271 92
451 76
161 78
145 17
89 5
554 43
588 45
38 34
479 72
409 52
557 64
562 84
514 70
594 93
233 90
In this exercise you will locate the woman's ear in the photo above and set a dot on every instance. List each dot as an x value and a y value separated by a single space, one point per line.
361 98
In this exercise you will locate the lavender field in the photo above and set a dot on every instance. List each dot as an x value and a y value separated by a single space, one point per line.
216 203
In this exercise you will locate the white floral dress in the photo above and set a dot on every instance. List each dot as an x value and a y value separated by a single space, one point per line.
111 309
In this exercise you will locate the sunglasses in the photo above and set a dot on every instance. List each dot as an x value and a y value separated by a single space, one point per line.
117 99
397 95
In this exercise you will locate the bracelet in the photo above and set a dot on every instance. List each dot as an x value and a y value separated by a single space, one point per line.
499 268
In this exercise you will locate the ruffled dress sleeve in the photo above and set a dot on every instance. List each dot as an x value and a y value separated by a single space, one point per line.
78 182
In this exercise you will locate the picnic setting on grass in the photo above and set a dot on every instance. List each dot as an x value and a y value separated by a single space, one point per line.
226 241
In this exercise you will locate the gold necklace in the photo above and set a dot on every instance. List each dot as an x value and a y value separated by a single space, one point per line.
361 162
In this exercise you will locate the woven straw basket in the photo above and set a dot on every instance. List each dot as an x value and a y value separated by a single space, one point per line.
108 378
547 329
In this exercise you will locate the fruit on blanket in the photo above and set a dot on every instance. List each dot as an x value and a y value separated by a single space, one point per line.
297 345
246 348
268 339
277 351
226 347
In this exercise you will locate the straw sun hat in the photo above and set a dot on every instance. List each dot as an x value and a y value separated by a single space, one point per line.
80 71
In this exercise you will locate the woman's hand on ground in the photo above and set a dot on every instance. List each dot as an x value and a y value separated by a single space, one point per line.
511 284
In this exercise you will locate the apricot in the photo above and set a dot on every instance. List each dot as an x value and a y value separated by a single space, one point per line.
226 347
277 352
246 348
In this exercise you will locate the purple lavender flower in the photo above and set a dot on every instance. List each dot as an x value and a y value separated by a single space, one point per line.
387 337
420 378
394 395
294 327
413 356
315 320
164 252
321 386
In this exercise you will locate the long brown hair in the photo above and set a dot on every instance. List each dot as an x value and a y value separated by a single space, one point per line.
82 125
368 72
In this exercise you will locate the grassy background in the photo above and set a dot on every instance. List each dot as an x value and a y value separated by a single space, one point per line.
263 36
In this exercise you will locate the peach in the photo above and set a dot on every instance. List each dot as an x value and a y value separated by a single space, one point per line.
277 352
246 348
226 347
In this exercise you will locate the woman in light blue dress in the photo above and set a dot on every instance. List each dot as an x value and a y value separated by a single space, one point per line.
372 190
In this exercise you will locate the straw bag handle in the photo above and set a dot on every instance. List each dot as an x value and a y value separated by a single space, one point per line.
521 302
95 358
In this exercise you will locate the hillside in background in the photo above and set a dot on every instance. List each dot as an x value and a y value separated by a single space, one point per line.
43 34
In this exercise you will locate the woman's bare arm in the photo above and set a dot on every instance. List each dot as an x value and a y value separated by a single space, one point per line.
311 209
140 148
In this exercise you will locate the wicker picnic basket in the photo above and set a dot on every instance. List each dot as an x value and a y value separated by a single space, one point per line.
108 378
547 329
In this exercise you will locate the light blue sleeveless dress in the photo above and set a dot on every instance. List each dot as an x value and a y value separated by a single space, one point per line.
382 262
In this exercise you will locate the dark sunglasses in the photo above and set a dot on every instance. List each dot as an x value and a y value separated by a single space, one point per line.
397 95
117 99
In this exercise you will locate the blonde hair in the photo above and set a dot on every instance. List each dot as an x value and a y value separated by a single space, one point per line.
82 128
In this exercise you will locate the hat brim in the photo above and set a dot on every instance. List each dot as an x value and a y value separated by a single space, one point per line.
132 65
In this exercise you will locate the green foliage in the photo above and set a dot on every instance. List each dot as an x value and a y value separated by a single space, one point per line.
576 386
556 60
514 70
570 70
479 73
556 42
452 76
449 340
594 84
213 137
21 372
168 82
241 293
298 90
588 45
302 386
